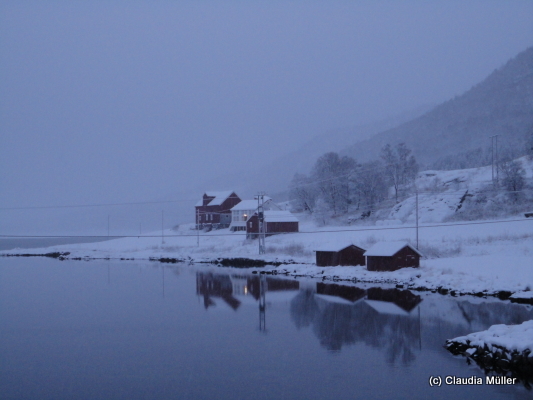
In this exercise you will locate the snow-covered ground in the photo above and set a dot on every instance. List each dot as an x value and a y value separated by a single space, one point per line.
473 257
513 338
441 193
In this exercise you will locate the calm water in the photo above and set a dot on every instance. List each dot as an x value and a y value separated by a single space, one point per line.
33 243
124 330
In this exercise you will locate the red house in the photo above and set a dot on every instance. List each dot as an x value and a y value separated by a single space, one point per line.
213 210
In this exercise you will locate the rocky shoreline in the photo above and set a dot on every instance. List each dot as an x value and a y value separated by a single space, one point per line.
496 360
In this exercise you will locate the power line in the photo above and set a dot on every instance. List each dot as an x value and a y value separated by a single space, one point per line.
286 233
96 205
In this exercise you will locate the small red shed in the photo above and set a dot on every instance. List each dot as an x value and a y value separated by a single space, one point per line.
275 222
390 256
340 255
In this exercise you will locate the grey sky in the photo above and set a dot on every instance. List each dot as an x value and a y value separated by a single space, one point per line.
128 101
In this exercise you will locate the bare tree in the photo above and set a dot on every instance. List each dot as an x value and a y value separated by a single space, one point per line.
371 184
303 192
331 174
400 166
513 177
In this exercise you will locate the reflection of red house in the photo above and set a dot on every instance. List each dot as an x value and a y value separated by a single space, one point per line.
214 209
275 222
390 256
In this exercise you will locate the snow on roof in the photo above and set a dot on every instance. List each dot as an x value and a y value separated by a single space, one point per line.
245 205
386 307
279 216
336 247
387 249
219 198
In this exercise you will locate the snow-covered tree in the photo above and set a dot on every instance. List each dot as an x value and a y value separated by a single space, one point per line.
400 166
513 177
529 144
322 212
331 174
303 191
370 184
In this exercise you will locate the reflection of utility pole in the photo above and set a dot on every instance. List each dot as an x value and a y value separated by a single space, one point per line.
162 224
261 221
163 268
262 303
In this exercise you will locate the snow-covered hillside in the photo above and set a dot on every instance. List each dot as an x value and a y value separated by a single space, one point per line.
442 193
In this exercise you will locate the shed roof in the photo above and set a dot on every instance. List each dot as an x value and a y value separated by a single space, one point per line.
279 216
388 249
336 247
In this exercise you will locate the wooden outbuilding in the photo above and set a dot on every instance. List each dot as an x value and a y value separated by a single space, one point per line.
275 222
391 256
341 255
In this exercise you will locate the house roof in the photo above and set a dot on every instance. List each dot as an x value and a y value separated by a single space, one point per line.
387 249
279 216
219 198
245 205
336 247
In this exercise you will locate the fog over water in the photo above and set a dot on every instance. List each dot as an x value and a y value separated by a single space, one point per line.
127 102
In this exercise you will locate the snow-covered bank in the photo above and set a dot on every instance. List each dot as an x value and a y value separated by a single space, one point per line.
502 349
486 257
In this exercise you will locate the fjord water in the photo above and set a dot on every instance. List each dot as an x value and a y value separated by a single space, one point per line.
140 330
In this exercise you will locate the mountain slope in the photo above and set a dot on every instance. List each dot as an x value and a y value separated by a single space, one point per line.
500 105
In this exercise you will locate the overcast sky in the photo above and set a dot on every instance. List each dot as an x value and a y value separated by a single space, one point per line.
124 101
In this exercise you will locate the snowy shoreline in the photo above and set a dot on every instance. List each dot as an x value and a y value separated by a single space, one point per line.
494 259
505 350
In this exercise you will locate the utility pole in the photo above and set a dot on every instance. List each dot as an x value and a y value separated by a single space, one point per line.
108 225
261 221
497 164
492 156
416 188
198 227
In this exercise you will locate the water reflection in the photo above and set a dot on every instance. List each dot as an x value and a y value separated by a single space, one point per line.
73 325
338 315
234 289
344 315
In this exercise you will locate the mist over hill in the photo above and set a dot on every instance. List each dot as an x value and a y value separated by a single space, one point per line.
501 105
275 176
